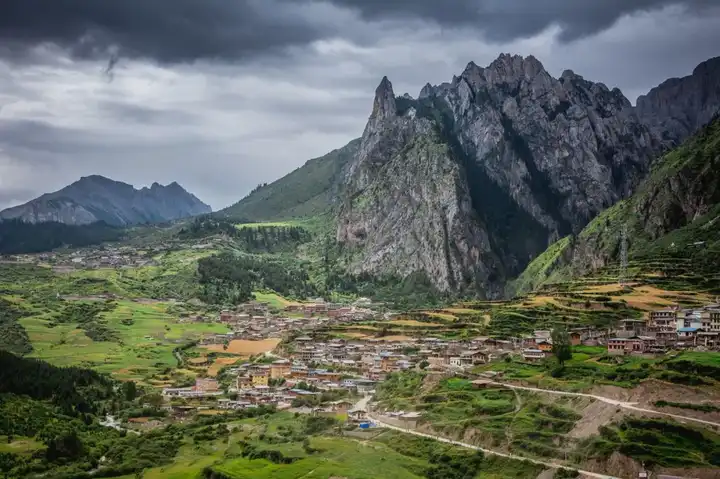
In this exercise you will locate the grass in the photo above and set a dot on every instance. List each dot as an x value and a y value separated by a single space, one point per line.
273 299
498 418
270 224
337 456
145 346
653 441
305 192
442 316
341 457
24 446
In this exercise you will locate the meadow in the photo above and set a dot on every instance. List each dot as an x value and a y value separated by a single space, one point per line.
302 446
147 335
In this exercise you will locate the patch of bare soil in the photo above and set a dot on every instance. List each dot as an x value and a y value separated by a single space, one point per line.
616 465
430 382
547 474
594 415
653 390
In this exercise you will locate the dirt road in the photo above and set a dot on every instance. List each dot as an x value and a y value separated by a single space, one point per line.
622 404
553 465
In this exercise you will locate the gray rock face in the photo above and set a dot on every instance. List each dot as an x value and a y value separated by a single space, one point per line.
477 176
95 198
678 107
561 148
407 206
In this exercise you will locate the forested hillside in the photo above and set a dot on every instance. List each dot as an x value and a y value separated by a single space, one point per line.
18 237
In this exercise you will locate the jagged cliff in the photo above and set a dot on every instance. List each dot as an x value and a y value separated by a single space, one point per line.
675 212
96 198
475 177
407 204
678 107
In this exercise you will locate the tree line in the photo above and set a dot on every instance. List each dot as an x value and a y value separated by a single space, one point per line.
253 239
19 237
227 278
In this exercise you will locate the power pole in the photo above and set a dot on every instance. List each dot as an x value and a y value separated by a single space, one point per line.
622 277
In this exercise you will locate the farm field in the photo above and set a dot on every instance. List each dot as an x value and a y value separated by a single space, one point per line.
274 299
319 454
245 348
145 346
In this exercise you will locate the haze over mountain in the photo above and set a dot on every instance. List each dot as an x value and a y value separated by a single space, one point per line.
96 198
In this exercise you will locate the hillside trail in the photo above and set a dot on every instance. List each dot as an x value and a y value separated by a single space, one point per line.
622 404
553 465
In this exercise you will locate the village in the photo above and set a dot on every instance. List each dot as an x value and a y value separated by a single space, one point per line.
107 256
327 375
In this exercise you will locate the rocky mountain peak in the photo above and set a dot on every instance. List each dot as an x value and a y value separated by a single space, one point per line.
426 91
680 106
710 67
512 68
384 105
96 198
445 187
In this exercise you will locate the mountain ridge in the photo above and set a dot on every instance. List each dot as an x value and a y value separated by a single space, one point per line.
308 190
97 198
676 206
476 177
534 153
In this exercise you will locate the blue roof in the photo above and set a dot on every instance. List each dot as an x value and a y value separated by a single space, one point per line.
687 330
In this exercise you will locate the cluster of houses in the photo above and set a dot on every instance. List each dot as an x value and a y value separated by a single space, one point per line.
669 328
203 388
107 256
257 320
374 358
282 381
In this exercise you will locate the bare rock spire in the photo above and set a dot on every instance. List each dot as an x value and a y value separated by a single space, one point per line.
384 105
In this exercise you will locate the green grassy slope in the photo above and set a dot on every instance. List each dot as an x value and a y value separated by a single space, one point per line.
672 221
307 191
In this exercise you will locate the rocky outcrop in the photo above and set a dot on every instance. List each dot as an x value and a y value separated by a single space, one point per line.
677 205
477 176
95 198
678 107
563 149
407 206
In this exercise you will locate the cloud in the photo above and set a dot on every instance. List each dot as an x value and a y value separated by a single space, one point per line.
177 31
167 31
226 114
507 20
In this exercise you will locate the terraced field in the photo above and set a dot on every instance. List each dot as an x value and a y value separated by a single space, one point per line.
147 335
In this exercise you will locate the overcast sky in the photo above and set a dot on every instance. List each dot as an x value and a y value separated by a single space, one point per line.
220 95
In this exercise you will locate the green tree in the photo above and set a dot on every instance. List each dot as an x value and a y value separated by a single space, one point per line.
129 390
66 445
561 345
154 399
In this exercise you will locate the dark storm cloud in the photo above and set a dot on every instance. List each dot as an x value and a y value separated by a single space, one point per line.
506 20
174 31
164 30
144 115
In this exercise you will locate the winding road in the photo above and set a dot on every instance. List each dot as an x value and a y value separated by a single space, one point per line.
553 465
623 404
